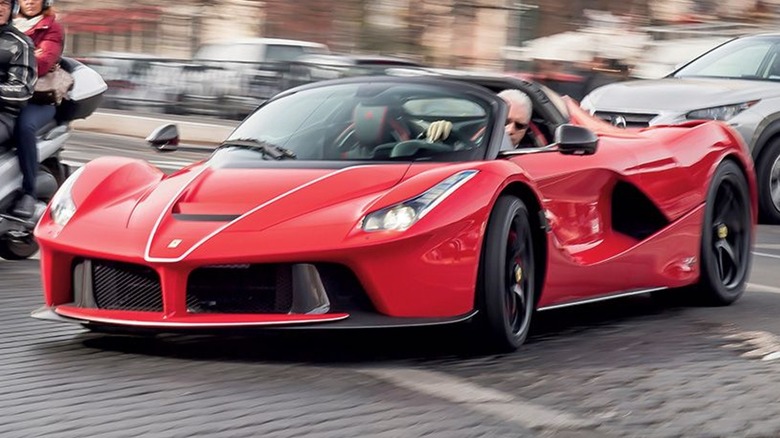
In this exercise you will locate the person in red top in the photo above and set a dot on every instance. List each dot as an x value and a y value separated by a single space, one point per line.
38 21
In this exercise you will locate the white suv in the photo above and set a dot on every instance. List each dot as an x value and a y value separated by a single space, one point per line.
233 77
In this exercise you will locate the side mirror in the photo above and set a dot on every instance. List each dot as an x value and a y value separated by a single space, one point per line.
165 138
575 140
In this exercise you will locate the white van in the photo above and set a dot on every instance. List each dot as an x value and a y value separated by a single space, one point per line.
258 50
231 78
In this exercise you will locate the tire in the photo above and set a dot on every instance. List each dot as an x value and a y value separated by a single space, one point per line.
505 290
768 176
727 235
22 248
18 249
57 169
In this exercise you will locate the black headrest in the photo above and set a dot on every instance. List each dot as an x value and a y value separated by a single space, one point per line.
370 121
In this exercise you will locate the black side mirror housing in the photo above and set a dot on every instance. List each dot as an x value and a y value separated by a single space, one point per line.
576 140
165 138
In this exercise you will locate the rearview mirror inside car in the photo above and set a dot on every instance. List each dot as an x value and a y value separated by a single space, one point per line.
165 138
575 140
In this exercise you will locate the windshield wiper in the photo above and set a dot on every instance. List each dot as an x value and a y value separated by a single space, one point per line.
267 149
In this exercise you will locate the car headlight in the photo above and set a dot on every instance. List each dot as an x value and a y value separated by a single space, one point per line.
724 112
401 216
62 207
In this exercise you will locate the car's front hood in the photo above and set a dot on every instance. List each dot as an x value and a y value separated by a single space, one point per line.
678 95
185 211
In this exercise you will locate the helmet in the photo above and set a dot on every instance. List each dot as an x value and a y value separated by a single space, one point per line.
16 7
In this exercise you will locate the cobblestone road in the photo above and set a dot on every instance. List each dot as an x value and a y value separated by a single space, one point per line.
630 367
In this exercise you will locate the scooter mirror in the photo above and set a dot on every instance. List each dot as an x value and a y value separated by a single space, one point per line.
165 138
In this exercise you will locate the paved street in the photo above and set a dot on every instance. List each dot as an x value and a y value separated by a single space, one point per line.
633 367
630 367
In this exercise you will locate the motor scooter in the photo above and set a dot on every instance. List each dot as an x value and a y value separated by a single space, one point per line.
16 234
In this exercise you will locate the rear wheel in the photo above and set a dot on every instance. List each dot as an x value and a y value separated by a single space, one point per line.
506 283
20 244
727 234
57 169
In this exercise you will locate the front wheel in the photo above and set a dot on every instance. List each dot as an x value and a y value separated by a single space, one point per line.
18 248
505 291
727 234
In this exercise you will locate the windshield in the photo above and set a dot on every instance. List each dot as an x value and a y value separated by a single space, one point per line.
747 58
371 121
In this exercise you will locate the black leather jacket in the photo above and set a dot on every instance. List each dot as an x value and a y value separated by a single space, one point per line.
18 72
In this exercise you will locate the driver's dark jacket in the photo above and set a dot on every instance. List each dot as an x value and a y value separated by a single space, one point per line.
18 73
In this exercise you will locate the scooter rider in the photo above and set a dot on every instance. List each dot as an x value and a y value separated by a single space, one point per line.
38 21
18 69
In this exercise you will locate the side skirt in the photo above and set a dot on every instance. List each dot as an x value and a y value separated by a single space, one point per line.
602 298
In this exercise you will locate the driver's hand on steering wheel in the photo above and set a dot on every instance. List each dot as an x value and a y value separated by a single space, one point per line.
438 130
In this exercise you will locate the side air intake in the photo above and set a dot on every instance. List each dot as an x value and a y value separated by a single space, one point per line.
633 213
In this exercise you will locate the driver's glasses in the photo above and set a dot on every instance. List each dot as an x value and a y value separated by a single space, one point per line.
519 126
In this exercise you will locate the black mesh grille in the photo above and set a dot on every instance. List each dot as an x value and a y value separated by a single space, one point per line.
631 120
124 286
240 289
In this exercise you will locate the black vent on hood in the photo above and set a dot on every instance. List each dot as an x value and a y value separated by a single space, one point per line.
205 217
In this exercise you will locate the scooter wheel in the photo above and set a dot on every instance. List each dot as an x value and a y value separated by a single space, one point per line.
18 249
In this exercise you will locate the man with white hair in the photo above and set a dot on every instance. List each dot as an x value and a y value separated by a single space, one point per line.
518 122
518 118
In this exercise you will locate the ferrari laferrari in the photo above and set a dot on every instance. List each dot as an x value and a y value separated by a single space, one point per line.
328 207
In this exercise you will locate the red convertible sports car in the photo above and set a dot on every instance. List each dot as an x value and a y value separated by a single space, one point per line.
328 208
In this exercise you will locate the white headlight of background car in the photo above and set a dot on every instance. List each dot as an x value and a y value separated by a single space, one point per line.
62 206
725 112
403 215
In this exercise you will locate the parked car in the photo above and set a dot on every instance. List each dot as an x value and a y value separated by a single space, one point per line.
325 209
737 82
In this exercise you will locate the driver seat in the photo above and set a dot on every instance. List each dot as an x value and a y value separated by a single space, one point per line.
376 125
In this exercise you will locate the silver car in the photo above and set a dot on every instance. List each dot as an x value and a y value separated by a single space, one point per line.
738 82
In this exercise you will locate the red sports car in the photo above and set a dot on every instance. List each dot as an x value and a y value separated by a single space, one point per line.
328 208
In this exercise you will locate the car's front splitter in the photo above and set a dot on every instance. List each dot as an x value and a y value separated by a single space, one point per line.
156 322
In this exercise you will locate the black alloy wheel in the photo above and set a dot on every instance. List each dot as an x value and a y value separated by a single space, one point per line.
506 284
727 237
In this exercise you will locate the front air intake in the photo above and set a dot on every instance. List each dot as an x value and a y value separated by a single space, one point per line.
122 286
243 288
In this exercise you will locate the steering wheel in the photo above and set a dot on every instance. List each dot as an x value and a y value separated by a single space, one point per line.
453 139
346 142
410 148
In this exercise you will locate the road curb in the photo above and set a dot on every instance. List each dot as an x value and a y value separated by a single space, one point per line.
131 125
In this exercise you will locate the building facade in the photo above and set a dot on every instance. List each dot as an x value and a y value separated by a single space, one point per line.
470 33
